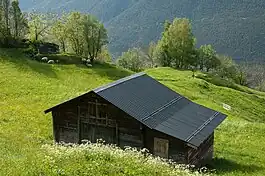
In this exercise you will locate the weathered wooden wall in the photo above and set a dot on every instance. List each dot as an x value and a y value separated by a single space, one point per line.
81 120
203 153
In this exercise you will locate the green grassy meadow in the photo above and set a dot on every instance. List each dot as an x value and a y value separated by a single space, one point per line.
28 87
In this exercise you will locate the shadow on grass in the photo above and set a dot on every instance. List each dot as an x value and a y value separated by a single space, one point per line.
167 80
22 62
110 71
103 69
223 166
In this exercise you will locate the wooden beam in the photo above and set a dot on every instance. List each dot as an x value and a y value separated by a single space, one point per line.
93 103
117 134
93 133
54 126
79 125
97 114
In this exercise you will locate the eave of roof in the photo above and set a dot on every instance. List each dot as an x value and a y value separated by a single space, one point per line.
99 89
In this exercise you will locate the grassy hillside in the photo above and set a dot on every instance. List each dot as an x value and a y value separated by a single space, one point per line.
28 87
228 25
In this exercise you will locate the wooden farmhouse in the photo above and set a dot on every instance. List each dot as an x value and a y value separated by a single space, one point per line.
140 112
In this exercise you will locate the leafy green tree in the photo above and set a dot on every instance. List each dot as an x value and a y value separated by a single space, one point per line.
133 60
227 67
40 25
241 74
166 25
95 36
74 28
177 45
59 31
19 23
85 34
104 55
1 23
150 53
207 58
162 55
5 19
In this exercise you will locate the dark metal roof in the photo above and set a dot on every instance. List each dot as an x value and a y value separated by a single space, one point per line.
160 108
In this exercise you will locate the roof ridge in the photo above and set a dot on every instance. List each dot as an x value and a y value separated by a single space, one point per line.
189 138
117 82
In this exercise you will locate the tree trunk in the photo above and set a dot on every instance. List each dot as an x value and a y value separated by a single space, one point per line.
63 46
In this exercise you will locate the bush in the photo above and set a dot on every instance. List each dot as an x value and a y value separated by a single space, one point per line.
133 60
30 51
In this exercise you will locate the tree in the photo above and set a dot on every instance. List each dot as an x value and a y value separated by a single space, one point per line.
242 73
59 31
207 58
177 44
74 28
227 67
19 24
162 54
133 60
150 53
1 23
5 18
104 55
39 25
95 36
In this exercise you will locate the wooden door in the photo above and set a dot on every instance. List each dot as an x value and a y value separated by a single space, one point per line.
105 133
93 132
161 147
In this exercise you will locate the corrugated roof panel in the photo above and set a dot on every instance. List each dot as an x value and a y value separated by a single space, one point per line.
138 97
161 108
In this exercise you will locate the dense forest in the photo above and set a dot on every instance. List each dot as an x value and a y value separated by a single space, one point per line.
234 28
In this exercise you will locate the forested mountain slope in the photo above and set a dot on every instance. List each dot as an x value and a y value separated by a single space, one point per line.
233 27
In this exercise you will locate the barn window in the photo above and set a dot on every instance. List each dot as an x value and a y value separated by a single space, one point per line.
161 147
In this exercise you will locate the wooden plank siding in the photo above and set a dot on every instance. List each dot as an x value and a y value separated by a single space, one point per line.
203 153
90 118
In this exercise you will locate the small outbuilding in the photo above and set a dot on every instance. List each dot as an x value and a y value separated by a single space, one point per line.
139 111
49 48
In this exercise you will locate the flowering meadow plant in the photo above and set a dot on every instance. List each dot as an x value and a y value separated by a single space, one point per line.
99 159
